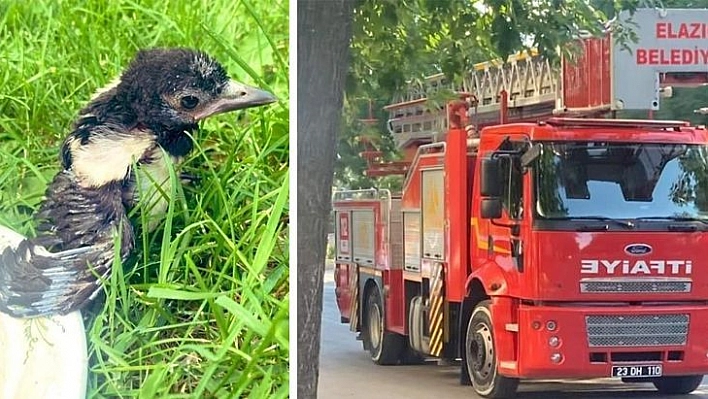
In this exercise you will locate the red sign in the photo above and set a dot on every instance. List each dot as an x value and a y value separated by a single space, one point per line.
657 56
694 30
691 54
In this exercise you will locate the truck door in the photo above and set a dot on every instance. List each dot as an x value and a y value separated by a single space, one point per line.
507 240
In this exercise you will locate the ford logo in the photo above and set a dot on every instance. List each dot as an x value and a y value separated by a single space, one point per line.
637 249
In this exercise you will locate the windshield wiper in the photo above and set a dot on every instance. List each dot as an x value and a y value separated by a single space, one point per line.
672 219
624 223
681 223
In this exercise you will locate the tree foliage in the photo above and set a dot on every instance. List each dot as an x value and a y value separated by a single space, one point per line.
399 41
395 41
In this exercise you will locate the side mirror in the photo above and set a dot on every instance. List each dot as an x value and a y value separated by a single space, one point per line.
491 208
490 178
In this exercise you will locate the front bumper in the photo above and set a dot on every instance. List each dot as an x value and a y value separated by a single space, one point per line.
592 339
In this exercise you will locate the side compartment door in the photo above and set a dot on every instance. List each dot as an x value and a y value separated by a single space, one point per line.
433 217
363 237
343 258
433 245
411 241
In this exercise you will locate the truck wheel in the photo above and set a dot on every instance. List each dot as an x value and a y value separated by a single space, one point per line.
679 385
385 348
480 357
411 357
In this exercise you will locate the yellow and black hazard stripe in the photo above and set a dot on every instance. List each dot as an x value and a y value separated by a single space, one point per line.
436 323
354 301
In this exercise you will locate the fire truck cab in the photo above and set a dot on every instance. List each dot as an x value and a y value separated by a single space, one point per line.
531 245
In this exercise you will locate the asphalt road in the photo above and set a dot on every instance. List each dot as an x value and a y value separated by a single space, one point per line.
347 372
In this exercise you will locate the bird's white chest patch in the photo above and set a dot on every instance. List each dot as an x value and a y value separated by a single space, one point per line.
108 157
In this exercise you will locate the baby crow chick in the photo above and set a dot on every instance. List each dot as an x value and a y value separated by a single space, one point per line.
148 112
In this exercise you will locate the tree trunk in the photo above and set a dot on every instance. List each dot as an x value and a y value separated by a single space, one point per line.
323 30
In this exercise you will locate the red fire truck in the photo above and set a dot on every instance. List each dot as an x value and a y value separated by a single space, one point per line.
534 237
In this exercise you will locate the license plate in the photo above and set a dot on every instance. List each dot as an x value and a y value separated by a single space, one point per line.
637 371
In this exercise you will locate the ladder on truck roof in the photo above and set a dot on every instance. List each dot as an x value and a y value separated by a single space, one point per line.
528 81
366 194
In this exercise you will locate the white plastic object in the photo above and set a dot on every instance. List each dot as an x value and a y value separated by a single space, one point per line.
41 357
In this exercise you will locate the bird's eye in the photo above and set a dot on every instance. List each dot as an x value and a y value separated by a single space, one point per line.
189 102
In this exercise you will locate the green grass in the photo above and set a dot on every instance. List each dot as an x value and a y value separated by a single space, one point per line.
201 308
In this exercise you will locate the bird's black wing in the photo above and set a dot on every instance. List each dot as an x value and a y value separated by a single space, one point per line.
62 269
35 282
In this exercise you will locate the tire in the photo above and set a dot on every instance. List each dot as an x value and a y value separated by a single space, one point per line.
679 385
411 357
480 357
414 340
385 348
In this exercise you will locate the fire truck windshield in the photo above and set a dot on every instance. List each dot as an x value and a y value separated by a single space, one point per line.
622 181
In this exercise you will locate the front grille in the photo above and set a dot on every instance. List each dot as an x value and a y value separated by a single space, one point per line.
637 330
610 285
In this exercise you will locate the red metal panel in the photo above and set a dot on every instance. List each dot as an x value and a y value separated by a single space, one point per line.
505 312
572 80
648 135
606 73
456 188
618 132
562 259
598 72
343 290
586 83
411 192
395 305
617 123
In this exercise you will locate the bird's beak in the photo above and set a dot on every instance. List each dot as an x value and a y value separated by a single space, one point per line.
235 96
